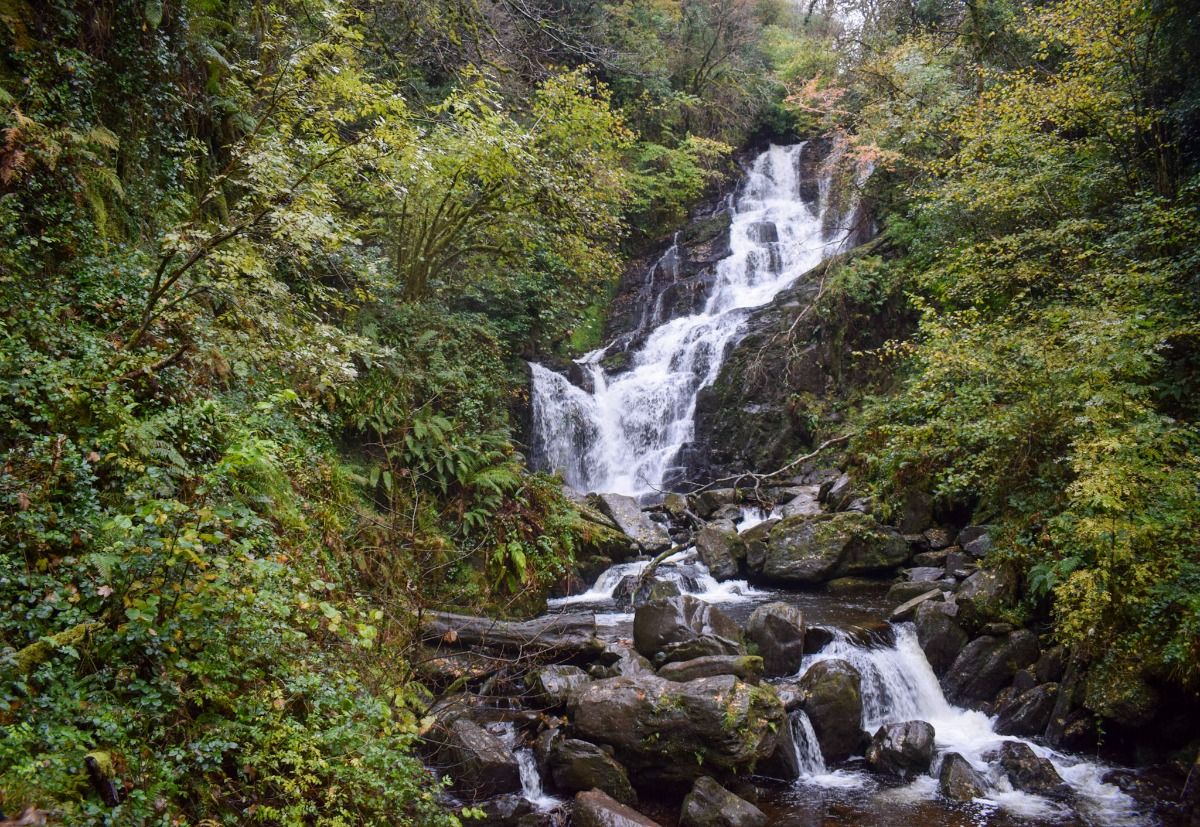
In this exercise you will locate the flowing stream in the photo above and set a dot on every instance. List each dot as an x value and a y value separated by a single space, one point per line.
623 435
898 684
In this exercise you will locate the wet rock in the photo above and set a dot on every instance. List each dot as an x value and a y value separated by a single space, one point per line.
808 550
872 633
908 609
931 559
1030 773
849 585
833 703
676 505
804 503
553 684
504 811
753 542
905 591
938 538
577 765
706 503
790 694
985 594
1051 665
904 749
987 664
939 634
777 629
478 762
925 574
976 540
838 494
782 764
682 628
747 667
618 660
960 565
596 809
958 780
717 547
634 591
816 638
630 519
711 805
670 732
764 232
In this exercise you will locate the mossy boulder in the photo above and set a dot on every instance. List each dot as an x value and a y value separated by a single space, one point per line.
811 549
667 732
833 702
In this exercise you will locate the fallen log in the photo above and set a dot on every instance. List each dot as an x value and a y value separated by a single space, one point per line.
559 634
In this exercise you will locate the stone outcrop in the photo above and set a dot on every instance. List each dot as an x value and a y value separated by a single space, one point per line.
833 702
682 628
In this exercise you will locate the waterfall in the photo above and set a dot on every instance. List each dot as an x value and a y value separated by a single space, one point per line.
624 433
531 781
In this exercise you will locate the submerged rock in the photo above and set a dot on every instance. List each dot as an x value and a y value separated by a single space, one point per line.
958 780
809 550
596 809
673 732
1030 773
577 766
777 629
903 749
711 805
682 628
833 702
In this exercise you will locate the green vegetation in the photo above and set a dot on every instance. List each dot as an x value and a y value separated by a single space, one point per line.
267 272
1039 182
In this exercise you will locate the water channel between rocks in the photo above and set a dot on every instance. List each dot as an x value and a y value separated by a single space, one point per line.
898 685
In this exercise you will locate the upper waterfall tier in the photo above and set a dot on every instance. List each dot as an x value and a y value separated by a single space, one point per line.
624 434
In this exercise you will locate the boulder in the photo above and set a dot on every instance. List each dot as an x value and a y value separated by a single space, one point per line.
479 763
783 764
808 550
667 732
630 519
916 512
706 503
502 811
985 595
837 494
935 559
717 546
753 543
577 765
711 805
777 629
1051 665
804 503
1030 773
976 540
1029 712
747 667
939 634
634 591
925 574
553 684
682 628
903 749
938 538
905 591
617 660
960 565
596 809
816 638
833 703
958 780
987 664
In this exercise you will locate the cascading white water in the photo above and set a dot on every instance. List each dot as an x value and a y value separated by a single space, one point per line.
531 781
624 435
898 684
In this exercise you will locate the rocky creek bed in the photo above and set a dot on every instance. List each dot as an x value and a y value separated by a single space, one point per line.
796 665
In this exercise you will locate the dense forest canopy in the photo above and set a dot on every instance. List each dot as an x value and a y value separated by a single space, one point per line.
269 270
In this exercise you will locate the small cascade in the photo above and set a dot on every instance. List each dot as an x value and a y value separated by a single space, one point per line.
898 684
622 433
808 751
531 781
683 568
753 515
